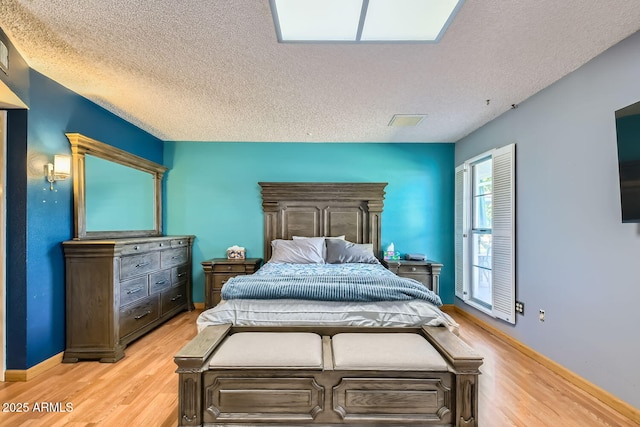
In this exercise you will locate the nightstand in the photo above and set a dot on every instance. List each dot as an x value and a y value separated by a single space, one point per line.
426 272
218 270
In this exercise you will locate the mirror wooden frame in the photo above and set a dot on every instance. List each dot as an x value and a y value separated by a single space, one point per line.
82 145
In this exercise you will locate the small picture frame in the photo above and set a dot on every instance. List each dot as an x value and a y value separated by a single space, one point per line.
236 252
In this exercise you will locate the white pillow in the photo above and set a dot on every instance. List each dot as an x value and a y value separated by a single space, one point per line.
299 251
324 251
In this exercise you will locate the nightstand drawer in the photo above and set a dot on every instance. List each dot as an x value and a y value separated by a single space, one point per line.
425 279
228 268
412 269
426 272
220 279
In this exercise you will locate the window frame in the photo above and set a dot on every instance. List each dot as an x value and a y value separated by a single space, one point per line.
475 230
502 231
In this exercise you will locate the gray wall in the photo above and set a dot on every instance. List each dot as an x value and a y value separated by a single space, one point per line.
575 258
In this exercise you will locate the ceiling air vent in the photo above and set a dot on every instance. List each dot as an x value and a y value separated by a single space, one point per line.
407 119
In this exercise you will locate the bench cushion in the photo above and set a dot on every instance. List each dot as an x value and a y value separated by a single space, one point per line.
385 351
269 350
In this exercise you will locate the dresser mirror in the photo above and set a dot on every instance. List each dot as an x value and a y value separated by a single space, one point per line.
115 193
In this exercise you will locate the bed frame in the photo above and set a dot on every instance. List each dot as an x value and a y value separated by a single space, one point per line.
254 395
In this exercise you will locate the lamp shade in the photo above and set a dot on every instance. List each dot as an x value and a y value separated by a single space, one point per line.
61 166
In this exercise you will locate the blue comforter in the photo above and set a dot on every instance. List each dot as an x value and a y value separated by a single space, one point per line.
347 287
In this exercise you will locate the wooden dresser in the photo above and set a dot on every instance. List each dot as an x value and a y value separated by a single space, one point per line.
119 289
426 272
218 270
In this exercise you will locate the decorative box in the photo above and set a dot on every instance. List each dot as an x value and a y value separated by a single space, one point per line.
390 255
236 252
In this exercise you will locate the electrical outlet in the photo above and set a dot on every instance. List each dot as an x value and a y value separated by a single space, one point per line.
541 316
520 307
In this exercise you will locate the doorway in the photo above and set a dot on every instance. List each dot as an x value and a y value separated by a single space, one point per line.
3 257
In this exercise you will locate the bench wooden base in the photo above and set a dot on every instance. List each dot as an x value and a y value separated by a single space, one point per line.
327 395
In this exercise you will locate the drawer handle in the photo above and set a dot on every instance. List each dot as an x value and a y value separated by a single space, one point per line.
142 264
182 274
136 247
142 315
177 297
179 242
162 282
228 267
224 281
134 290
413 269
161 244
175 257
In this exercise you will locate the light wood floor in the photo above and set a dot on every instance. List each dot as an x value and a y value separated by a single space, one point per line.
142 389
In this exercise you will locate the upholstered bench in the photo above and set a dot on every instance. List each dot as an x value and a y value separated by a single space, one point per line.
277 350
261 376
383 351
329 376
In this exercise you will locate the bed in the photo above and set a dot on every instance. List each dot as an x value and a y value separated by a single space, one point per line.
383 355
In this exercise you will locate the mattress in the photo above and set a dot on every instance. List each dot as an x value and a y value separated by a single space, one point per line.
304 312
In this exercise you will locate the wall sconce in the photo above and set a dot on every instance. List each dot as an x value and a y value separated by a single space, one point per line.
59 170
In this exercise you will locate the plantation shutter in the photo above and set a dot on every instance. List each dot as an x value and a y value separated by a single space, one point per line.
503 231
460 232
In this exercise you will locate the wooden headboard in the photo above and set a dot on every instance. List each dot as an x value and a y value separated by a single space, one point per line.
311 209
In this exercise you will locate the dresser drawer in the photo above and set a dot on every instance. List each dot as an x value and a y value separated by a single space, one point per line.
173 257
179 274
137 248
412 269
173 298
178 243
159 281
135 265
139 314
131 290
228 268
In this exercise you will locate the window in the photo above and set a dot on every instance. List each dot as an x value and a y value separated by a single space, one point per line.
485 232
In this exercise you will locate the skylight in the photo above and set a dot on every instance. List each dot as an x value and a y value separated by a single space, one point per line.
362 20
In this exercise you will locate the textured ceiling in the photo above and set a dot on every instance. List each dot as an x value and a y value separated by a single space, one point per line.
208 70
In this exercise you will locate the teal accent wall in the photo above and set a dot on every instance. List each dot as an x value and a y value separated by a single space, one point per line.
212 192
